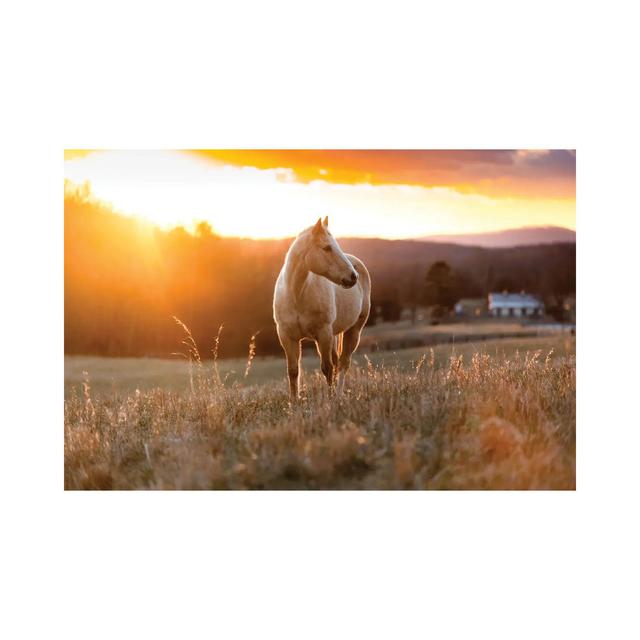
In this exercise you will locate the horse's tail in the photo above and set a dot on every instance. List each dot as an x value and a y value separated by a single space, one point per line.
339 340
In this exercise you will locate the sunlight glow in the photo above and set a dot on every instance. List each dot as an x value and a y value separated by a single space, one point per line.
173 188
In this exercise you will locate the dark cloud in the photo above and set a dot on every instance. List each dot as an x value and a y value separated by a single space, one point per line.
554 161
507 172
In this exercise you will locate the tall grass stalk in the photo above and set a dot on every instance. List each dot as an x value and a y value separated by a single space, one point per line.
252 353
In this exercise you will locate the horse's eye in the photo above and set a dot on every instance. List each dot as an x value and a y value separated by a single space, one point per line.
327 248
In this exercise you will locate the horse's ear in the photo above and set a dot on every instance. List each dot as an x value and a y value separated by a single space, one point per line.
326 221
318 226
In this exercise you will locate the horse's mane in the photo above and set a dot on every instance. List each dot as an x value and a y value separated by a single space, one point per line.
295 245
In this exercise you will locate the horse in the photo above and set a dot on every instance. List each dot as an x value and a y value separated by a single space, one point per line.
324 295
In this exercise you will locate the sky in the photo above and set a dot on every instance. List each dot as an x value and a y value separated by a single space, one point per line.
367 193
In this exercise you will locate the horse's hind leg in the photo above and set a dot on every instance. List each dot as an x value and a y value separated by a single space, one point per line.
349 345
326 348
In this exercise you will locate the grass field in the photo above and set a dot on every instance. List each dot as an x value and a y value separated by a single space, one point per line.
126 375
496 415
404 330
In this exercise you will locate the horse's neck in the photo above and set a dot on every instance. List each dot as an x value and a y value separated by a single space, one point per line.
295 274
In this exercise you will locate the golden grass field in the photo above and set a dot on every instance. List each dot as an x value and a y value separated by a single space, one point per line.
125 375
493 415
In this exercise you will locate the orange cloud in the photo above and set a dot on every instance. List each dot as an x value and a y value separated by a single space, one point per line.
495 173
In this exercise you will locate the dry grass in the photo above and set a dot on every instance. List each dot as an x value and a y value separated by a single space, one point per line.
490 422
125 375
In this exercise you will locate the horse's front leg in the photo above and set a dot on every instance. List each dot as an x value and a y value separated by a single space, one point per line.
292 351
325 345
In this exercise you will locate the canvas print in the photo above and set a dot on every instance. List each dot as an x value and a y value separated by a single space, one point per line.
320 319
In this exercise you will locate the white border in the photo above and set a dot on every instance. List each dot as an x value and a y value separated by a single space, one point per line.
318 565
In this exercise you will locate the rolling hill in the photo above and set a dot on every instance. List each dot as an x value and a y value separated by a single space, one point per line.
509 237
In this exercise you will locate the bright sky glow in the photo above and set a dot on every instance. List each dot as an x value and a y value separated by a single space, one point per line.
173 188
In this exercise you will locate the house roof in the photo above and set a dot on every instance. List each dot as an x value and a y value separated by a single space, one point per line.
523 300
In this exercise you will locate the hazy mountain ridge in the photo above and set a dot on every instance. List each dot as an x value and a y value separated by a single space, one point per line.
508 237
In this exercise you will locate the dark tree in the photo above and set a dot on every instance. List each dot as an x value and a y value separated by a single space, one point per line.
411 291
204 230
505 283
440 288
390 310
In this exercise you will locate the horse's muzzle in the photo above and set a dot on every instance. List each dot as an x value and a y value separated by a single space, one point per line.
347 283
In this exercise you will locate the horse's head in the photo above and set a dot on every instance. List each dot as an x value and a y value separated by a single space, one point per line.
324 257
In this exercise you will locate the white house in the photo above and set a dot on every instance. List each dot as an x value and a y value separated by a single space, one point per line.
515 304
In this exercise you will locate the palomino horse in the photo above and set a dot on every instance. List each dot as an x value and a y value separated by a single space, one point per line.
323 295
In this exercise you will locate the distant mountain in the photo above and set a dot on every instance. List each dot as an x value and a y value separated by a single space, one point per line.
509 237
